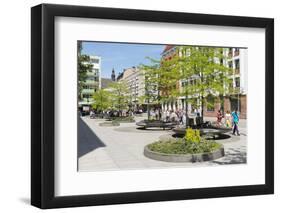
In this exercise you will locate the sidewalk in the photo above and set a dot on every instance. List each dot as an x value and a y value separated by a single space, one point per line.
118 148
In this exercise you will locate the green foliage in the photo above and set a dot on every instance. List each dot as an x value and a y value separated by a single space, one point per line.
102 100
192 143
204 72
180 147
192 136
119 95
199 69
161 78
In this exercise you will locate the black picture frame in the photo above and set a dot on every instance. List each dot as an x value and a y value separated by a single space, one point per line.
43 117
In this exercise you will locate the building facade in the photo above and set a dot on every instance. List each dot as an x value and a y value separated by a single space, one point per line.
236 60
135 80
92 82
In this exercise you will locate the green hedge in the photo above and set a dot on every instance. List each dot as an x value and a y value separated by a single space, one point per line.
180 146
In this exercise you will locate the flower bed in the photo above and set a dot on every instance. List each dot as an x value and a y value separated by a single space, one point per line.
191 148
178 146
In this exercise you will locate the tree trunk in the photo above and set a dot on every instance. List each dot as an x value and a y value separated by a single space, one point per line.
202 108
148 110
186 112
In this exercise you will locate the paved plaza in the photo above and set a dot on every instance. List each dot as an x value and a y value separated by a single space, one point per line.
121 148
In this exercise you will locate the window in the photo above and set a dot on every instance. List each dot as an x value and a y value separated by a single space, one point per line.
236 51
96 71
235 103
237 82
87 96
229 51
95 60
183 84
230 64
221 61
237 64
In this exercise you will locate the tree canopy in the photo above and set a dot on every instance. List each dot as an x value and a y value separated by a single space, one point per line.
119 95
102 100
193 72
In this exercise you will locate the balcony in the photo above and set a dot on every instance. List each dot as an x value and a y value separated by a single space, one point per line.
92 74
91 82
88 91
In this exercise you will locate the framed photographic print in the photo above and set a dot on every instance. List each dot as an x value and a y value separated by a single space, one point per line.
139 106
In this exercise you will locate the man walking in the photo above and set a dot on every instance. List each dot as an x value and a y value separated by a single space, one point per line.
235 120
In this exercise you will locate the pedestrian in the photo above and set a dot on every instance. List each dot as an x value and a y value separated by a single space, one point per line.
167 115
157 114
184 119
174 116
227 119
180 114
219 117
235 121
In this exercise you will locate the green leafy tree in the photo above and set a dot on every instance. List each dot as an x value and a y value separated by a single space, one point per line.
161 79
120 95
102 100
204 73
83 67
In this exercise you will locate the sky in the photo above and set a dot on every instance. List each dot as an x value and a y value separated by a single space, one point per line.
121 55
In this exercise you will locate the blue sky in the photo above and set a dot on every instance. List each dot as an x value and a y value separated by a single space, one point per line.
121 55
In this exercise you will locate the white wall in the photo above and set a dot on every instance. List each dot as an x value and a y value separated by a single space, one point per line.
15 118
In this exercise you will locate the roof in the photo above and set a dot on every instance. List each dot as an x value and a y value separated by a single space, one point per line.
168 47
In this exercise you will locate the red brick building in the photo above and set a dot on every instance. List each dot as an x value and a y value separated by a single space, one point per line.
237 60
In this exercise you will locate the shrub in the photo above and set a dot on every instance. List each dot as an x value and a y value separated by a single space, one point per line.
192 136
192 143
180 147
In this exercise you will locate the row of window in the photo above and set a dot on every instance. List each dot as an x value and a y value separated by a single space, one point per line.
95 61
89 87
235 103
93 78
231 85
236 62
236 51
87 96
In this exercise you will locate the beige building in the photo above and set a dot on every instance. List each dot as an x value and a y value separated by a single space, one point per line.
135 80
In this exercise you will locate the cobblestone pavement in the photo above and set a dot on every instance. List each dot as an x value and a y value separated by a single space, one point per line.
121 148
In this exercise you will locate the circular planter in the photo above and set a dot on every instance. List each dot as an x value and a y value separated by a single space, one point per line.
155 123
212 131
124 120
109 123
180 158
